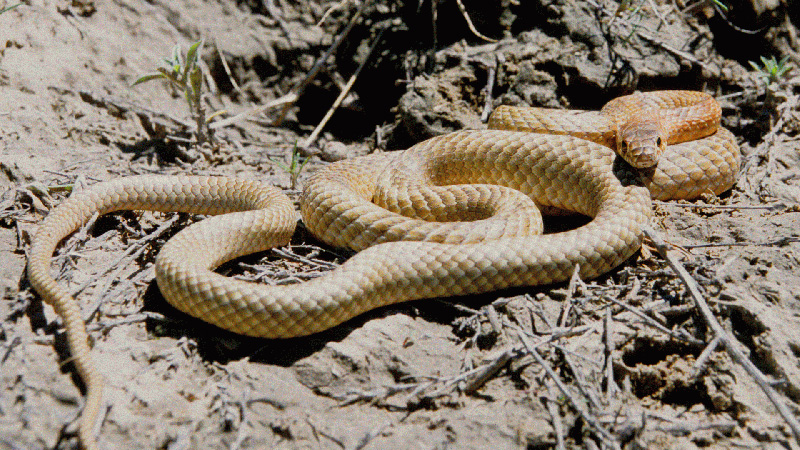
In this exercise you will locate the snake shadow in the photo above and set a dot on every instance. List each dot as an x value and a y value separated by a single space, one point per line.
222 346
218 345
215 344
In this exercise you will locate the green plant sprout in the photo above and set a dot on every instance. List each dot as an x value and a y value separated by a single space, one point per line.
4 8
295 165
183 73
636 14
720 4
771 70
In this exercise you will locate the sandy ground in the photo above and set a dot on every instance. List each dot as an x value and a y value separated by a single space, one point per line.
404 376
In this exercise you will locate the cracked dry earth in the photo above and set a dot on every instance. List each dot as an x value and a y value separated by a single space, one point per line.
449 373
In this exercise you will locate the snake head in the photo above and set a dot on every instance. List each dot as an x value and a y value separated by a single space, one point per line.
641 142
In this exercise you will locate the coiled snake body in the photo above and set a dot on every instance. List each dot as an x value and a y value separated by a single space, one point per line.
464 206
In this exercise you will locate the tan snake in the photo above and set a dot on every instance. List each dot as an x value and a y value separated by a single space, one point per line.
464 204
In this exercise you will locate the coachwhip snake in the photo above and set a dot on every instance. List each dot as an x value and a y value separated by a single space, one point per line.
464 205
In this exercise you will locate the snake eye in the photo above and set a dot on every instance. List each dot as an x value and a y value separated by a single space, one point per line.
658 141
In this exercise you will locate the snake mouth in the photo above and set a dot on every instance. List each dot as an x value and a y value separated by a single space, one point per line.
641 156
641 144
642 139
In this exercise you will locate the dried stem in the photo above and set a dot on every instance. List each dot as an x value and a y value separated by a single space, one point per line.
343 94
301 86
590 419
721 335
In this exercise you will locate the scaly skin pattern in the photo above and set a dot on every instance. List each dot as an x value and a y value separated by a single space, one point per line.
638 126
456 214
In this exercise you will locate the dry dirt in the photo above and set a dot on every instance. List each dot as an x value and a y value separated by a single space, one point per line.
400 377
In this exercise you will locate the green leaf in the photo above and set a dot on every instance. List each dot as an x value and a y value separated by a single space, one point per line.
148 77
784 65
196 80
9 8
191 54
303 164
176 55
280 164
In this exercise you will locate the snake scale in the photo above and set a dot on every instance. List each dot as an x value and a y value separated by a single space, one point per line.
456 214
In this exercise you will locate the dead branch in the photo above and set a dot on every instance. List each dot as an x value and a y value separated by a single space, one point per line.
653 323
287 99
118 106
133 318
777 242
314 134
611 386
580 381
131 253
470 24
721 335
227 68
288 253
488 371
679 53
587 416
330 10
490 81
301 86
555 419
773 207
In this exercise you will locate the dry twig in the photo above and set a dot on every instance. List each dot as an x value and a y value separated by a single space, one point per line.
721 336
679 53
777 242
490 81
773 207
470 24
343 94
301 86
119 106
287 99
587 416
611 386
555 419
653 323
131 254
487 371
